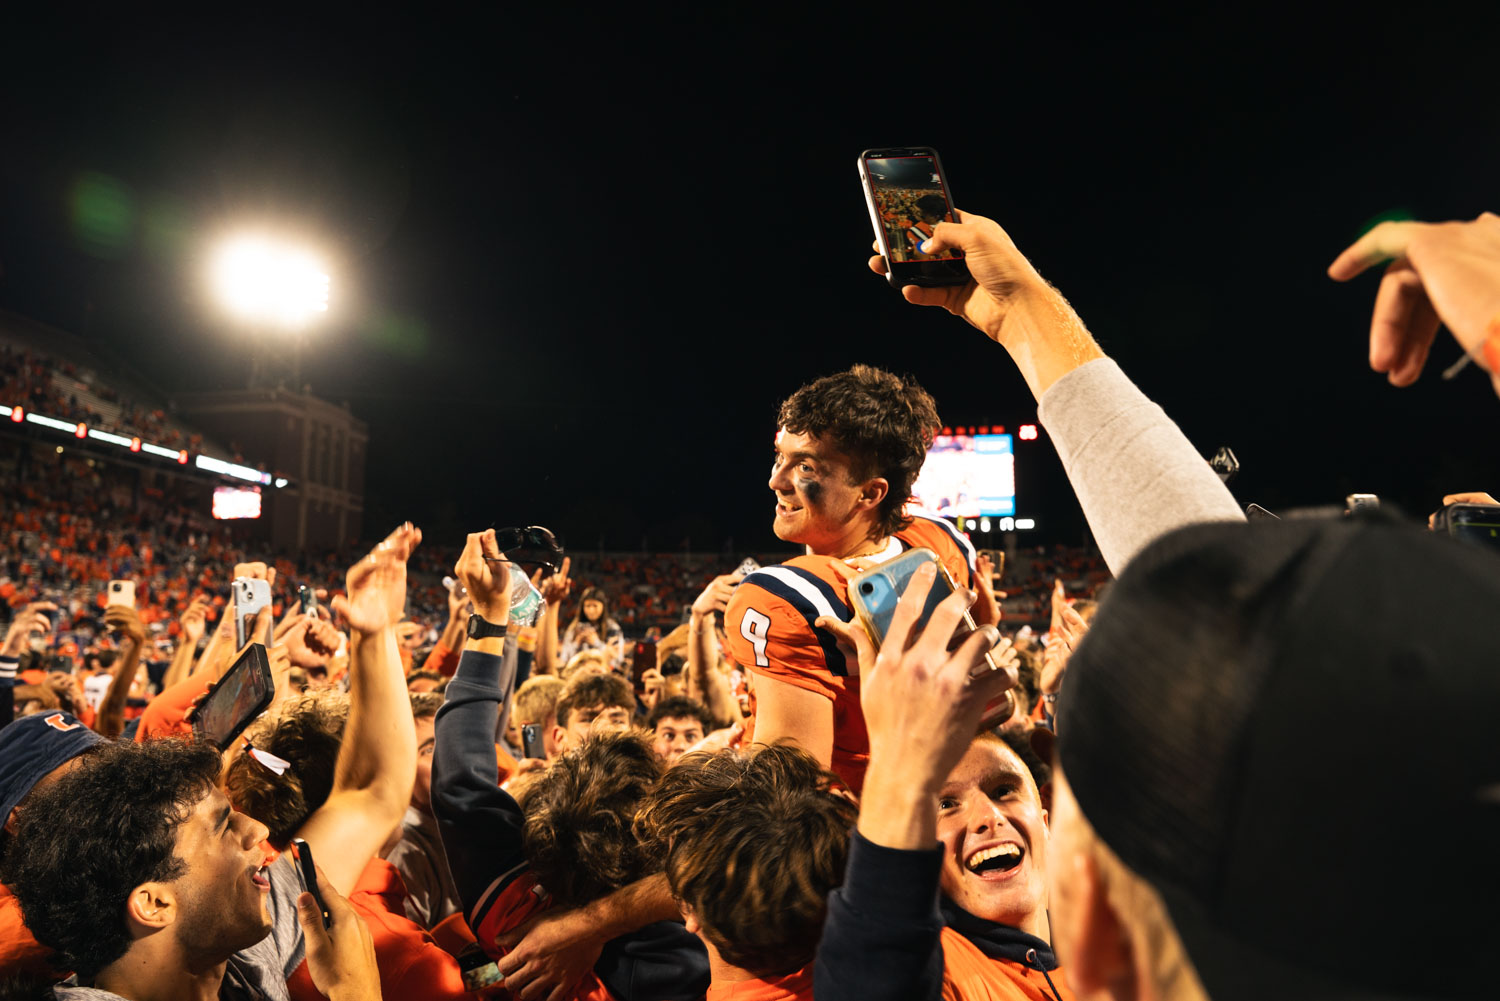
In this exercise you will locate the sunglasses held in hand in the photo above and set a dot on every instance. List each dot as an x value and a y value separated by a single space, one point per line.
530 547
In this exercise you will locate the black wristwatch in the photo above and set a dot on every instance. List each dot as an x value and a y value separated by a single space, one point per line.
481 628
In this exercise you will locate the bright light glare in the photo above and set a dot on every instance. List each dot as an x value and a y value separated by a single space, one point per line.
262 281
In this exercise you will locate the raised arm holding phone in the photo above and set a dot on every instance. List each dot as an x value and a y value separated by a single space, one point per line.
1135 473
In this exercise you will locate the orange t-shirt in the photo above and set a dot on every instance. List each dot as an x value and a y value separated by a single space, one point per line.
970 975
410 962
796 986
166 715
20 952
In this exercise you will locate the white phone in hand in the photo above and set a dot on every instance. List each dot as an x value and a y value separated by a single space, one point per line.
121 592
250 595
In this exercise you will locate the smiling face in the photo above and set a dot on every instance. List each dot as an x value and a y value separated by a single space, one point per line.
222 896
994 836
818 503
593 608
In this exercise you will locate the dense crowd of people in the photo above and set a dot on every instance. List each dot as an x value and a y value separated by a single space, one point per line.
908 216
41 382
800 785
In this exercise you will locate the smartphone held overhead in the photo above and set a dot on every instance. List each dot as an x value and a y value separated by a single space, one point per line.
907 194
250 595
235 700
121 592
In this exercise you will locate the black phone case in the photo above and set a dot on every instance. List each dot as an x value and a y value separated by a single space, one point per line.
930 274
253 659
309 873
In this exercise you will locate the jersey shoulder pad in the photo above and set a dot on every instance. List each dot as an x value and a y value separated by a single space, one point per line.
770 620
939 535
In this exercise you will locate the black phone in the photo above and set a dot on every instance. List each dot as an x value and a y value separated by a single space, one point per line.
309 874
478 969
235 700
643 660
532 745
907 194
1479 523
307 600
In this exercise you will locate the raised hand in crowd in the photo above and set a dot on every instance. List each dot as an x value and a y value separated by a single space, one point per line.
1139 477
486 576
194 621
1007 299
125 620
375 587
341 957
1444 273
309 641
704 681
33 620
653 687
256 570
1063 637
555 586
377 762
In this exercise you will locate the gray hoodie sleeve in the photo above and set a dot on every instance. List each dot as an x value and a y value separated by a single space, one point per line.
1134 471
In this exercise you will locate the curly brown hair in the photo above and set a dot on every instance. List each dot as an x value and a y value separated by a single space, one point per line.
884 423
307 733
578 829
754 843
608 690
89 839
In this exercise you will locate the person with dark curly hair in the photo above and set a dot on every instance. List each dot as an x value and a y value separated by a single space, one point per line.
753 843
676 724
572 842
134 869
848 449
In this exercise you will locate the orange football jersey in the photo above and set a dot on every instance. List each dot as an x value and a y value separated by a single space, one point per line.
769 625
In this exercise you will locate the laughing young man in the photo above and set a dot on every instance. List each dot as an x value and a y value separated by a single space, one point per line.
945 894
848 449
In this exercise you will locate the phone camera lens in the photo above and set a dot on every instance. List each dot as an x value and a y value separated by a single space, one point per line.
867 588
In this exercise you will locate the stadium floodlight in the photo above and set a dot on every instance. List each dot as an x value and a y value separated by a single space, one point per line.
266 282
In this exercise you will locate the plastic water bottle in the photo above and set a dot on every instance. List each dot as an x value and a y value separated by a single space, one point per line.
525 600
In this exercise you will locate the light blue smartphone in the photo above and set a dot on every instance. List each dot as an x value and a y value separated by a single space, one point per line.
875 593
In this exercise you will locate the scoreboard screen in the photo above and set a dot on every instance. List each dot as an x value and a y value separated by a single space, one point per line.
969 476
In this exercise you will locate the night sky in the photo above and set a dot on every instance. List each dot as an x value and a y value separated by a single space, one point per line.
577 261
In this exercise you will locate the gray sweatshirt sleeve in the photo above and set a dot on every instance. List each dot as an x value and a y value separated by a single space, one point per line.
1134 471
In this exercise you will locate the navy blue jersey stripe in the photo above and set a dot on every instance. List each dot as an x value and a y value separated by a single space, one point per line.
964 545
832 658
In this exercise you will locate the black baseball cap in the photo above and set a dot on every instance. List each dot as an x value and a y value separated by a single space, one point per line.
1291 730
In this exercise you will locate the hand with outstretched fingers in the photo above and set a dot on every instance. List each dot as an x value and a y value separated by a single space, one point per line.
1445 273
376 585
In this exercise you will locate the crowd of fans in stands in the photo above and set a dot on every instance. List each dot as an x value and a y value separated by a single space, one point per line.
774 796
46 384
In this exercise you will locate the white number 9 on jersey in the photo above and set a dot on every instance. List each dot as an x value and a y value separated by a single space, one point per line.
756 627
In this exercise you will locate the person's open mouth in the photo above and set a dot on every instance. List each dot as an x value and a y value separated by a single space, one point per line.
995 862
